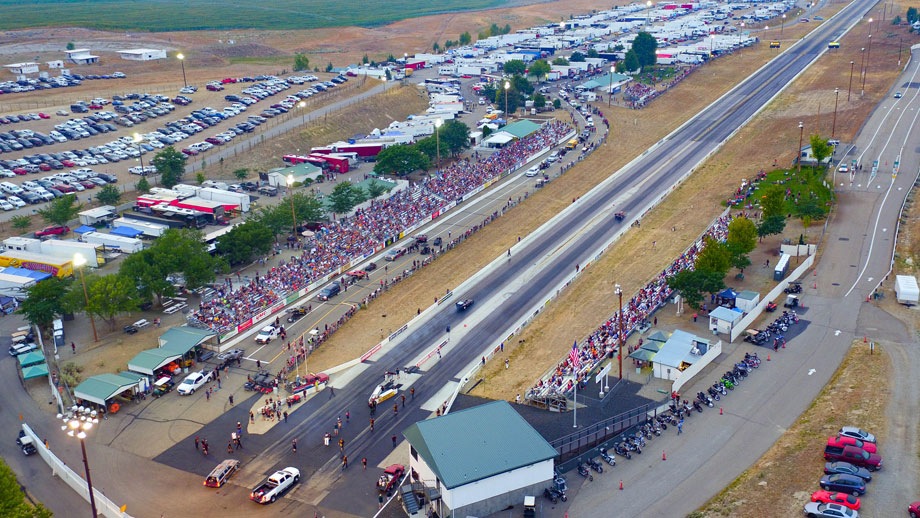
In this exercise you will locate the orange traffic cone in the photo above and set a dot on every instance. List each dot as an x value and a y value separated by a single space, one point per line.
621 485
720 410
865 339
768 357
663 456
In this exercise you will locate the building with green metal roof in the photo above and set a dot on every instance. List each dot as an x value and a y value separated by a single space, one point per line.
481 460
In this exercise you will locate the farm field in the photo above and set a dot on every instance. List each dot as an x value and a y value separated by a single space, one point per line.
170 15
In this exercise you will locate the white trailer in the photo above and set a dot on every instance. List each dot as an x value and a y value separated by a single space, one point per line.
99 215
225 197
149 229
906 290
128 245
66 249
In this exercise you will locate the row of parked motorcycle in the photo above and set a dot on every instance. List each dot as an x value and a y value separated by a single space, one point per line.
678 410
774 330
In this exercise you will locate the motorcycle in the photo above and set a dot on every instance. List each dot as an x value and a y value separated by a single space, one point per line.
608 458
714 394
550 494
704 399
698 407
719 386
583 471
662 422
621 450
728 384
595 465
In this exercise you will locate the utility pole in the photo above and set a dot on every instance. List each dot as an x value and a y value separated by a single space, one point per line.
799 151
849 88
834 124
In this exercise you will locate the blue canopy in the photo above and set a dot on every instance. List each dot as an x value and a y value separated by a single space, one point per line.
126 232
82 229
728 294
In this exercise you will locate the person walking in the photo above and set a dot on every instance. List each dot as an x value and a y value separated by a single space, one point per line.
207 394
395 409
680 427
372 424
73 347
364 463
196 443
403 397
231 399
344 462
412 392
394 440
285 414
230 448
294 445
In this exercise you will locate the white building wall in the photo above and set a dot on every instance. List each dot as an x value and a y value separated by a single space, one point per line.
498 485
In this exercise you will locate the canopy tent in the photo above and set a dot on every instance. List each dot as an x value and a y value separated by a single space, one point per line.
643 355
728 294
653 346
147 362
126 232
35 371
521 128
31 358
498 139
180 340
659 336
101 388
83 229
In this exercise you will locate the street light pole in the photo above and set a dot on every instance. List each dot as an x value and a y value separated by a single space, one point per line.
648 15
862 70
137 142
437 139
79 261
900 46
782 26
507 87
610 92
302 105
740 38
834 124
290 184
181 57
866 71
76 424
801 136
619 293
850 88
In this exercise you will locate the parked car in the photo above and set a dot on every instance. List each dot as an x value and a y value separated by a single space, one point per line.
267 334
55 230
850 441
845 483
228 357
846 468
816 510
856 433
193 382
831 497
853 455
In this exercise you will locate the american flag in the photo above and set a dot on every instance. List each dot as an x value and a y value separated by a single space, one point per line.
573 355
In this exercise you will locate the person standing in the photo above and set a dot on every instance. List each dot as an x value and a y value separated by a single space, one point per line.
344 462
294 445
73 347
196 443
680 426
364 463
394 440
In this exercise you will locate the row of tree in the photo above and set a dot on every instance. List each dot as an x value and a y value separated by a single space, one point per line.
400 160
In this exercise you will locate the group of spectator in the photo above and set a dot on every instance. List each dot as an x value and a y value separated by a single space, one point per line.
601 343
339 242
637 95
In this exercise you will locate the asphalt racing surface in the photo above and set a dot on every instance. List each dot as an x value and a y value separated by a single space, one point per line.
504 293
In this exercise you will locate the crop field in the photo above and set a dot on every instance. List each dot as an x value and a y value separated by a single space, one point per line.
188 15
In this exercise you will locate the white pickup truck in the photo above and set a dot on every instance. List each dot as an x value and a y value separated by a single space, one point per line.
276 485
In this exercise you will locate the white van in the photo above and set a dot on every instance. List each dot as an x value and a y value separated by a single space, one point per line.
10 188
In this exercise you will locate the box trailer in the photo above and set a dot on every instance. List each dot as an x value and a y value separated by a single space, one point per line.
171 223
906 290
66 249
128 245
229 200
147 228
98 216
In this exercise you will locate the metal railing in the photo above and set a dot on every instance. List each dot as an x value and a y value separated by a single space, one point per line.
588 437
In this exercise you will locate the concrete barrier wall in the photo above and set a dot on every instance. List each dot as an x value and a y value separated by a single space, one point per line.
104 506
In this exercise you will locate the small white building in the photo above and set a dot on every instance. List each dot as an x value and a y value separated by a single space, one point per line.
722 319
747 300
21 69
142 54
680 352
479 461
81 57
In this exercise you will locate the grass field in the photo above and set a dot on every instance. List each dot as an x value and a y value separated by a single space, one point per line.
172 15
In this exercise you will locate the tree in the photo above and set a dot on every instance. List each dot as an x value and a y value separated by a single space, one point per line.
170 165
514 67
301 62
365 59
21 222
644 46
345 197
465 39
376 188
142 186
436 47
557 104
200 178
245 241
522 85
71 46
400 160
61 210
692 284
539 101
592 53
741 240
13 502
771 225
241 174
308 208
560 61
329 67
108 195
631 61
177 251
715 257
912 15
820 149
111 295
44 301
773 202
810 210
577 57
455 136
538 69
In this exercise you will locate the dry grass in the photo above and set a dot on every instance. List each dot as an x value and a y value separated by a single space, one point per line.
858 391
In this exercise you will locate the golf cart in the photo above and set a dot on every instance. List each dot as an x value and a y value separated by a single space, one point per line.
530 506
25 442
792 301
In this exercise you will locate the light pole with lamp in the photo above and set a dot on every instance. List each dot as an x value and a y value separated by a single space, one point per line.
302 105
862 70
850 88
610 92
78 262
799 151
869 28
181 57
782 25
290 185
868 53
437 139
507 87
712 39
619 293
740 40
137 138
648 15
76 423
834 124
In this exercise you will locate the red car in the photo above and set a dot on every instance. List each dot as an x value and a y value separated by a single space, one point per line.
214 88
214 140
43 115
189 151
832 497
95 107
68 163
20 171
914 510
44 167
87 184
850 441
53 231
228 80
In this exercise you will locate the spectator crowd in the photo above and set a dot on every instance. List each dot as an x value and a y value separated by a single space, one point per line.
339 242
